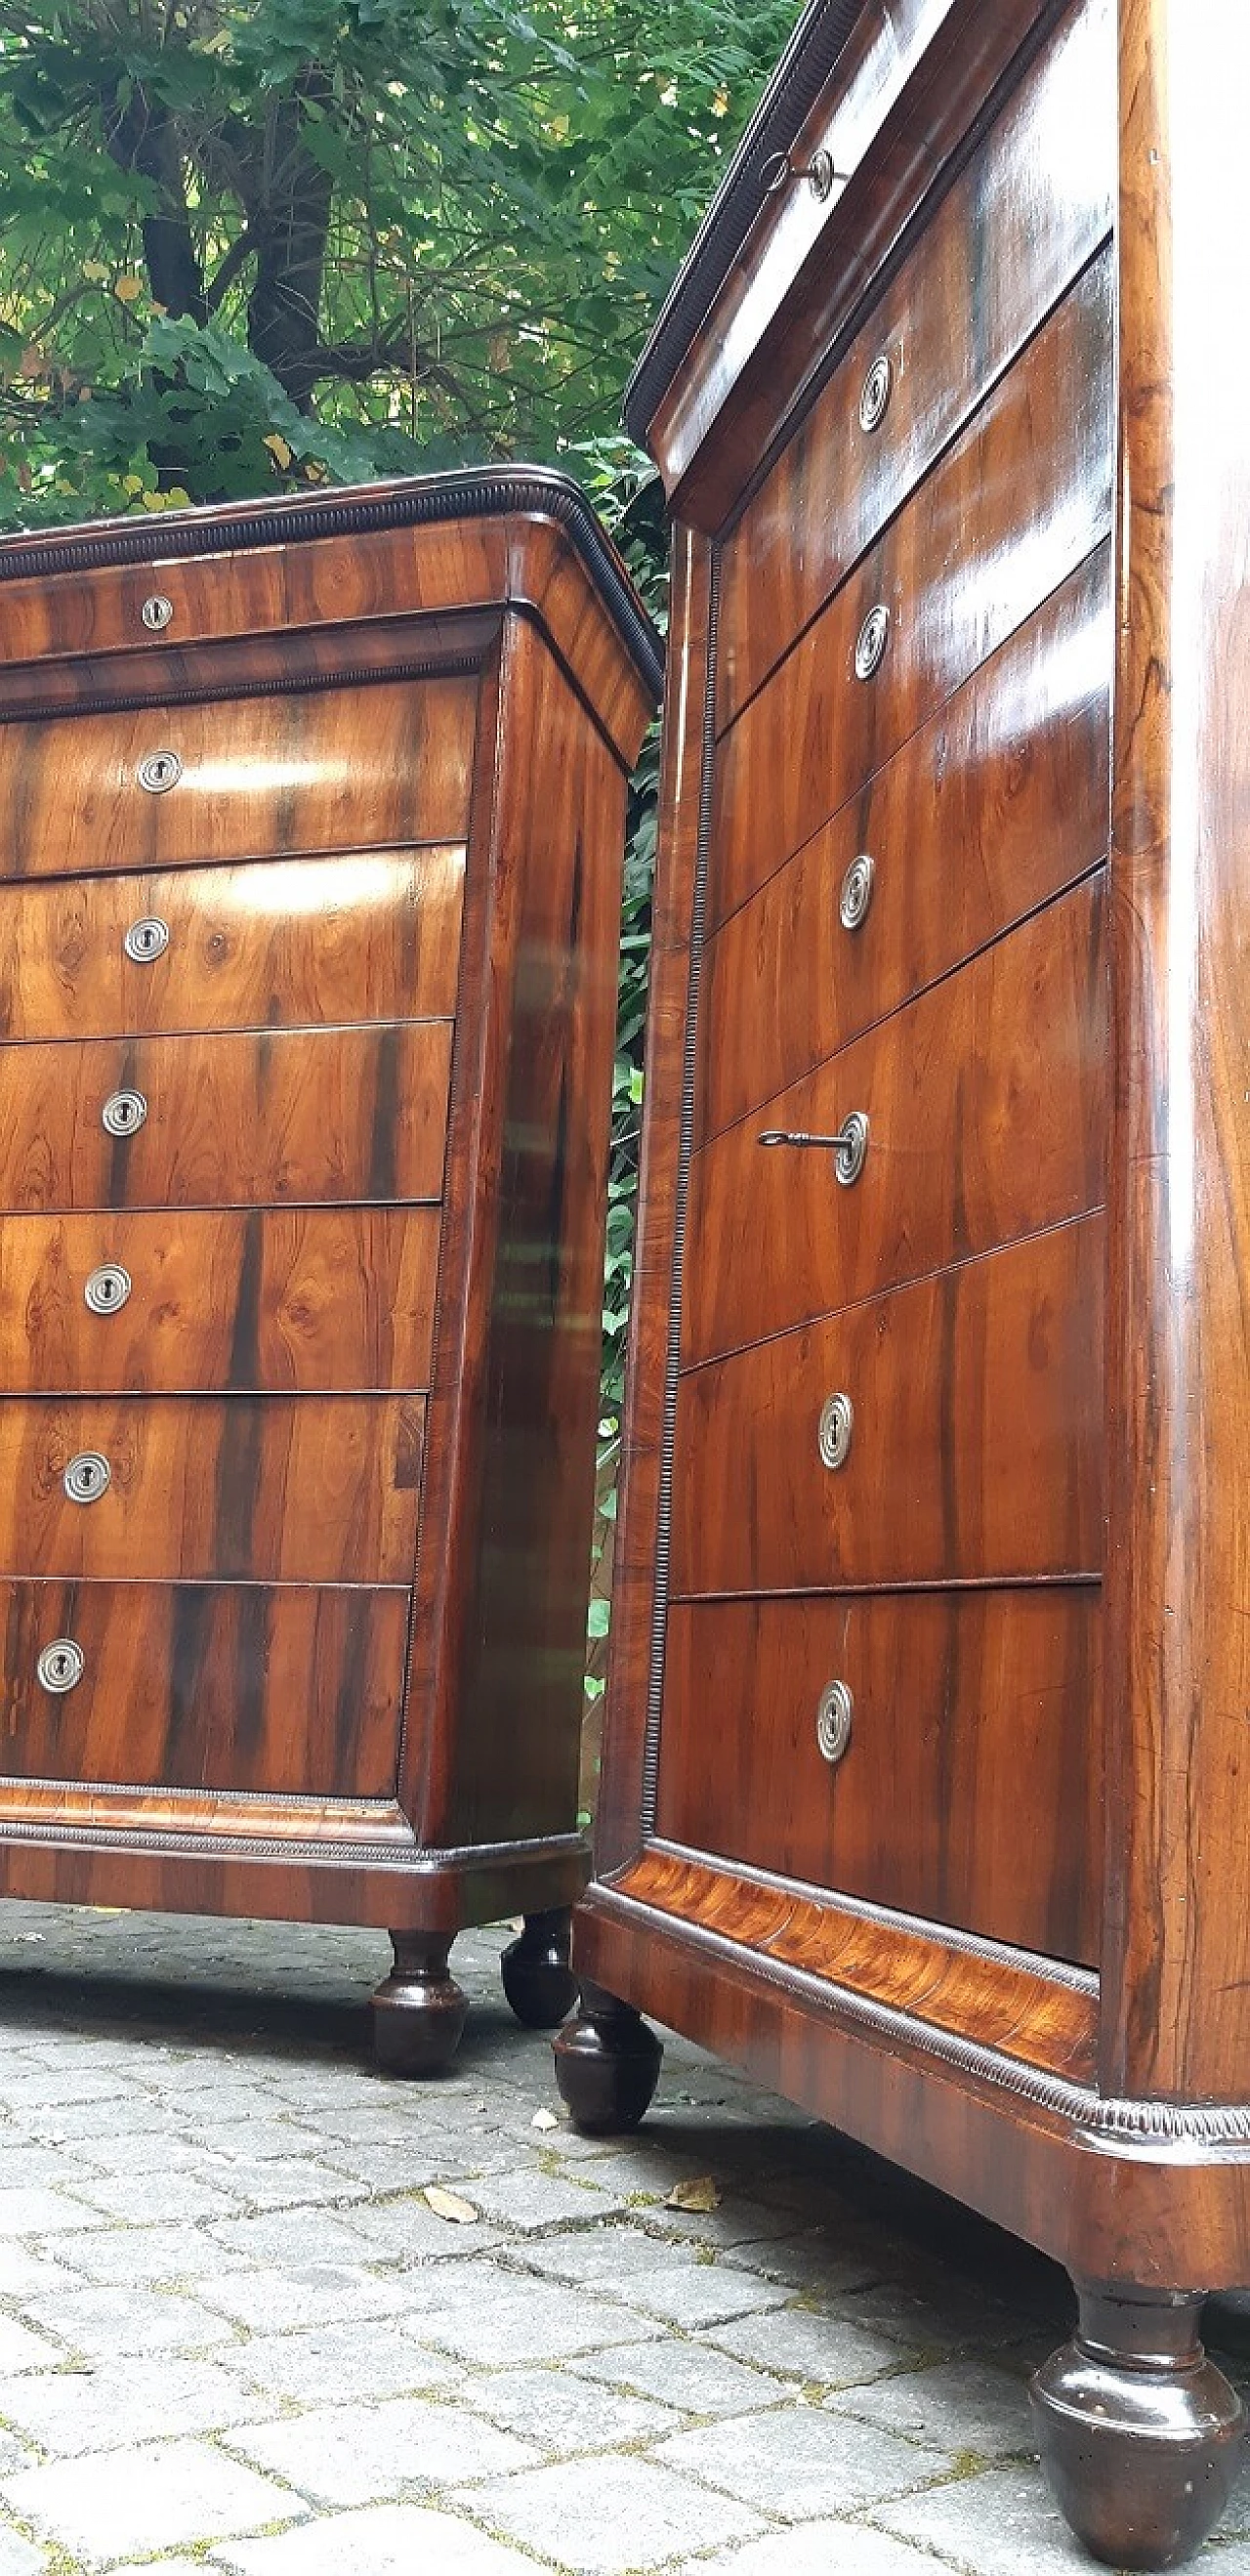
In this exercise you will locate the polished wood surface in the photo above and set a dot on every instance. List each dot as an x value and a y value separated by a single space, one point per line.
1002 248
966 1707
374 935
231 1120
976 1453
378 888
194 1685
992 807
258 775
971 556
986 1113
287 1301
265 1489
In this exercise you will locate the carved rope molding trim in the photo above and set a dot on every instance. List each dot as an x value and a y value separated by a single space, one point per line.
1105 2118
430 499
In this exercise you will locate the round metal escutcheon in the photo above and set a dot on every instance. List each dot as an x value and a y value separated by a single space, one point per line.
856 894
871 641
60 1665
833 1721
159 772
107 1288
124 1112
147 939
837 1422
87 1477
157 613
851 1149
874 400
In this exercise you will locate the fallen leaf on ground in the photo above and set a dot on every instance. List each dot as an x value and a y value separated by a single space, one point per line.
448 2204
701 2193
544 2120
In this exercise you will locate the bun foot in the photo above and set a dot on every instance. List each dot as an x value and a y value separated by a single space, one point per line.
1140 2434
607 2065
537 1979
419 2011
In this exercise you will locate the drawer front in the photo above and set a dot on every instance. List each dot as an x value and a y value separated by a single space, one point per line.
1018 503
236 778
970 1787
975 1452
296 1301
204 1489
293 1692
372 936
986 1111
226 1121
1023 217
1000 801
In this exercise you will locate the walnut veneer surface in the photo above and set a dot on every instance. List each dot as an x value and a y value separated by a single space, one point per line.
311 821
925 1783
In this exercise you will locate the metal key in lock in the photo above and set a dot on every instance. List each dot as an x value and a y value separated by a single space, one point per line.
849 1147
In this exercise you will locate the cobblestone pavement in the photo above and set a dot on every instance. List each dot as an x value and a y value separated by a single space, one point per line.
234 2334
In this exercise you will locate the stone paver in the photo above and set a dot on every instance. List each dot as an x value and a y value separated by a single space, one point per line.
234 2334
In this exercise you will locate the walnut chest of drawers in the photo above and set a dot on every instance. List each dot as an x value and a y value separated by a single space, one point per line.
311 822
927 1781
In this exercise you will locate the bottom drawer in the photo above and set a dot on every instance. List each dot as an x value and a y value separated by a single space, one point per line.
191 1686
970 1789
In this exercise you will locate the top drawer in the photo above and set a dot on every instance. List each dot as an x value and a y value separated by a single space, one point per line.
1025 215
226 779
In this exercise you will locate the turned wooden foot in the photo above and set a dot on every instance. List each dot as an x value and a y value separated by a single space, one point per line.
419 2011
537 1979
607 2064
1140 2434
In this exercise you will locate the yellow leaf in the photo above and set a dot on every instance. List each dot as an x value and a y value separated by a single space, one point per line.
700 2194
448 2204
154 500
128 289
132 482
95 270
277 446
177 499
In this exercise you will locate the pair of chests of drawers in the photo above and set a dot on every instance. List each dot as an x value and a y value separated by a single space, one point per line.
887 1471
229 954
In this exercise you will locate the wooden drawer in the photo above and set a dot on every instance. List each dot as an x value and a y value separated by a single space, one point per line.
250 777
986 1111
1022 218
200 1488
292 1301
294 1693
230 1121
1000 801
976 1450
372 936
1020 500
968 1710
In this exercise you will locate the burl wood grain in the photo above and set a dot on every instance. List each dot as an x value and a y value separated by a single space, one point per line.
986 1115
977 1445
1016 504
259 775
968 1708
194 1686
231 1120
1021 220
292 1301
1009 2004
267 1489
996 804
374 935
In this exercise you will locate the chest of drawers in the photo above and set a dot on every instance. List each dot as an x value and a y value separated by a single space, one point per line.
927 1774
311 820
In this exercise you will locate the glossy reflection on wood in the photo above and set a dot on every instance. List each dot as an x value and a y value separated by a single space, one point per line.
372 936
965 1706
232 1120
195 1685
301 1300
986 1117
